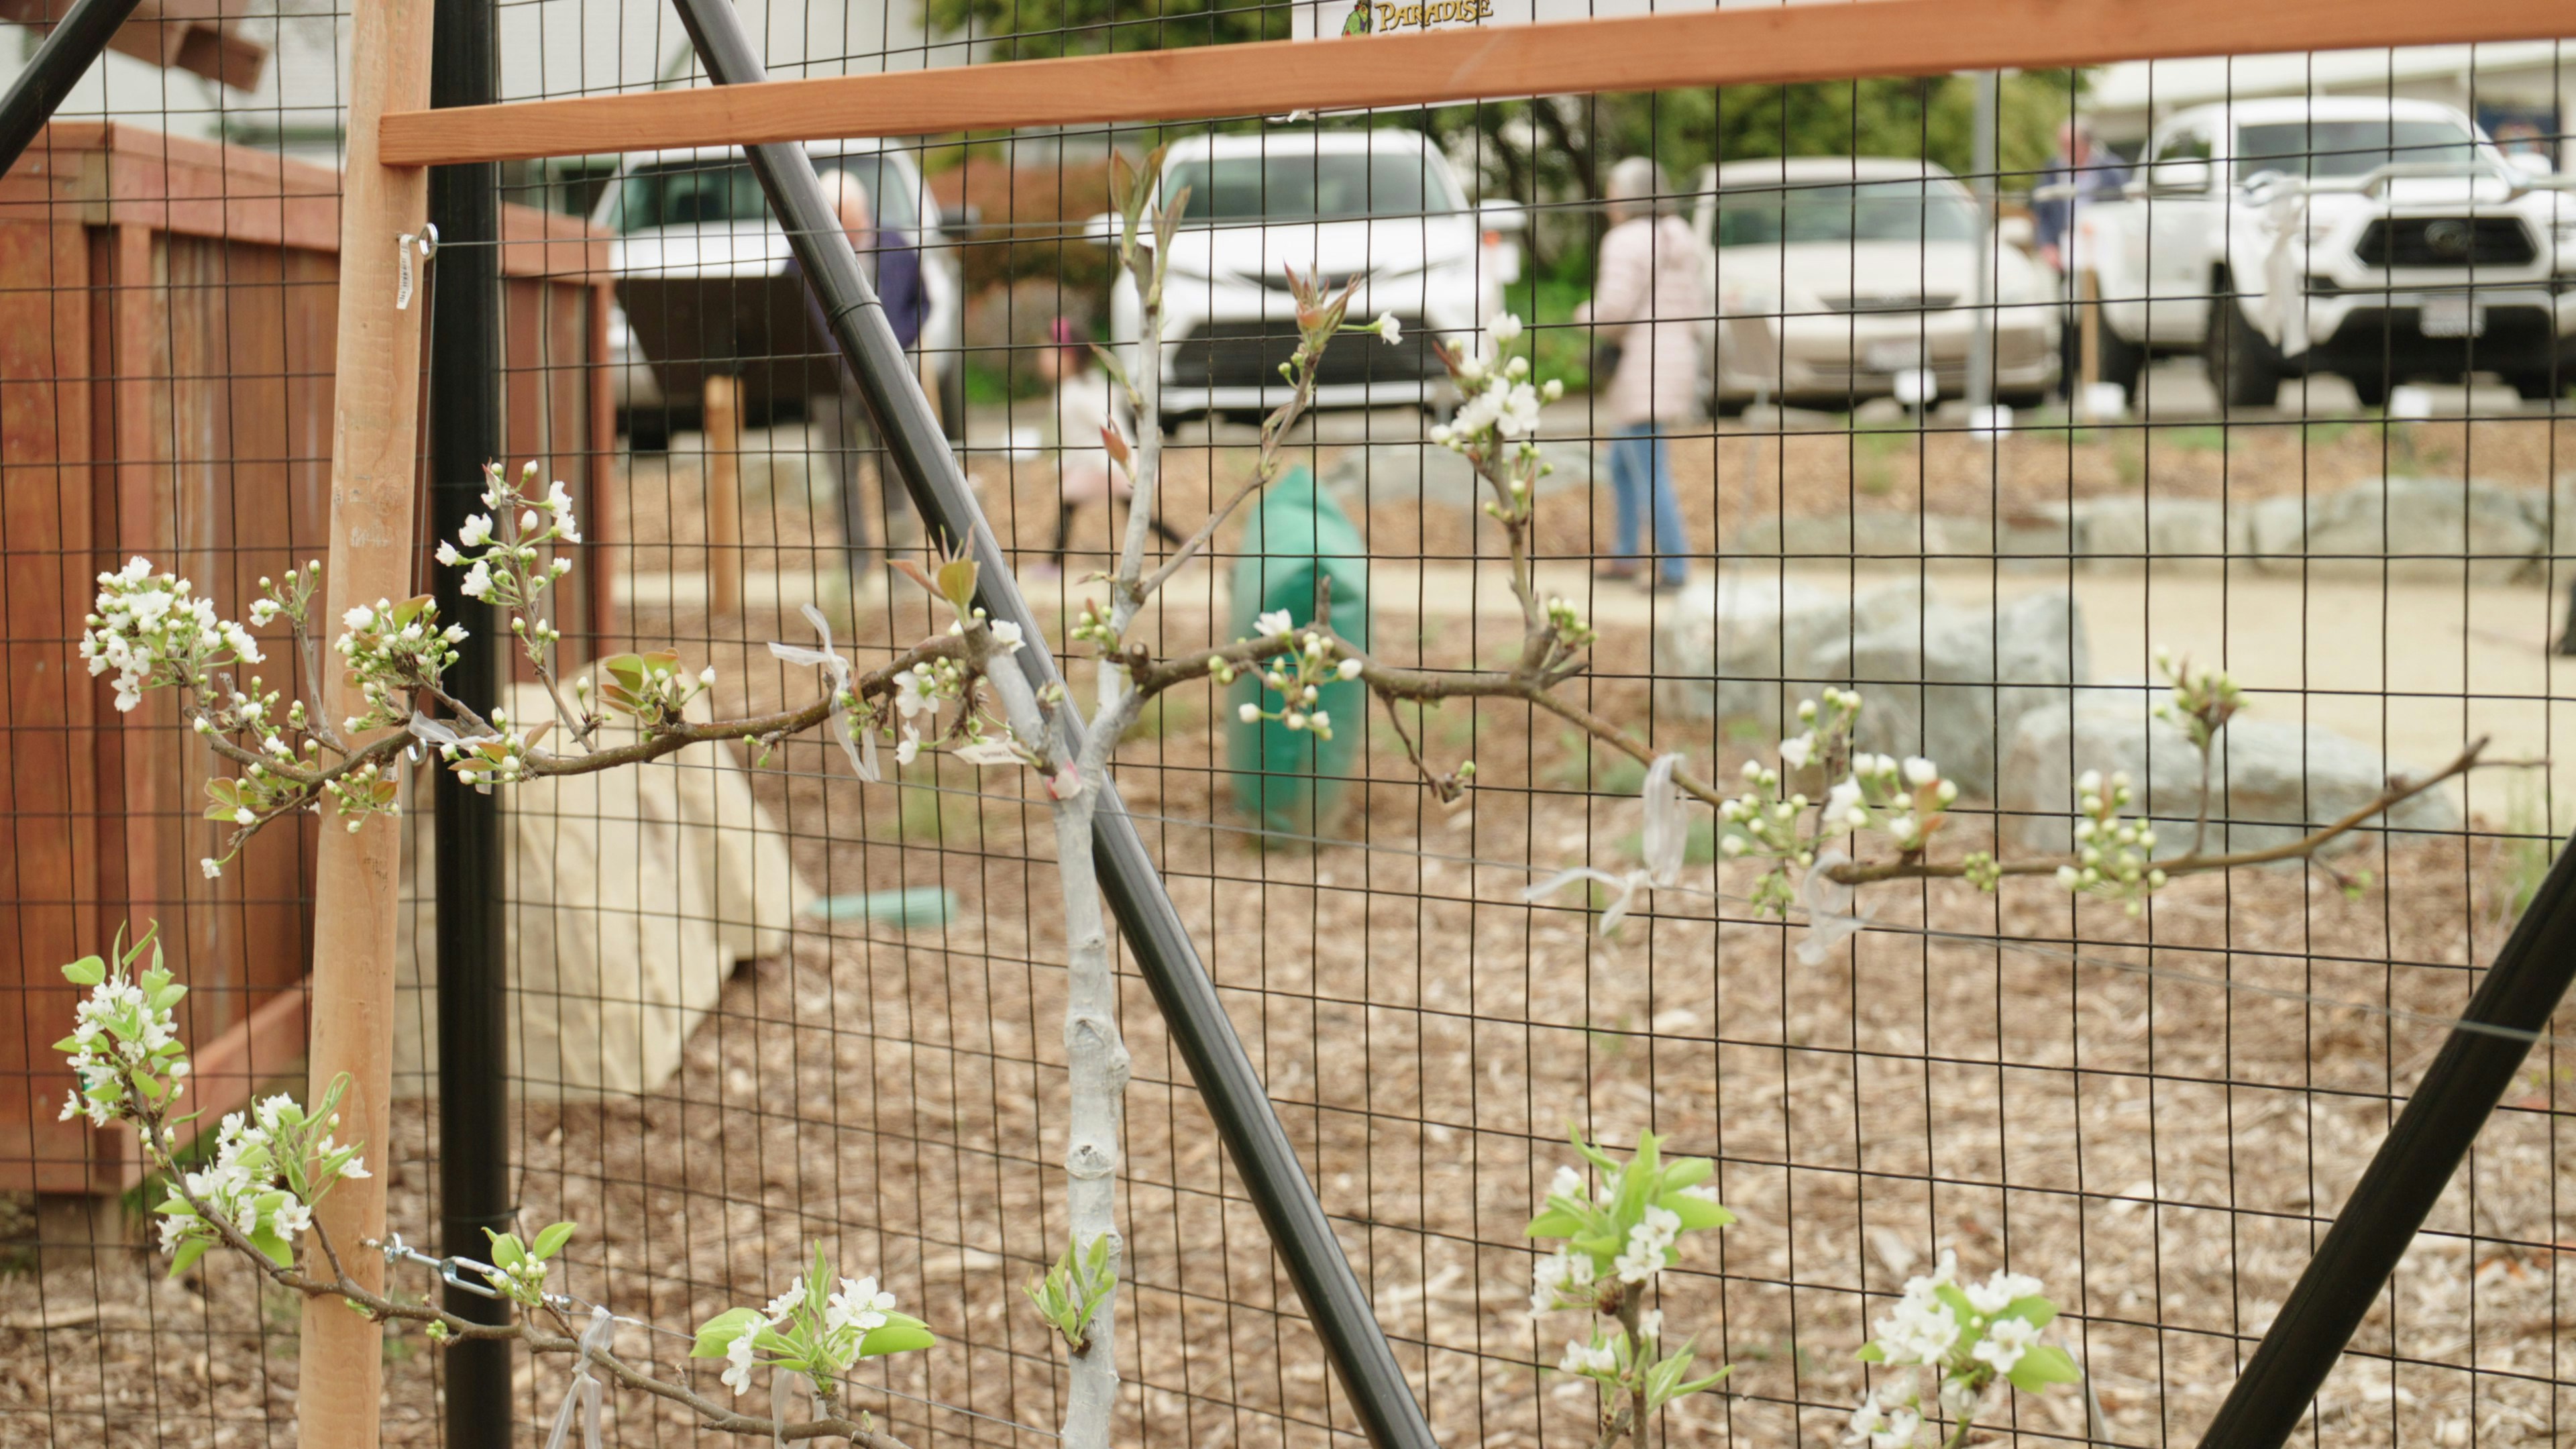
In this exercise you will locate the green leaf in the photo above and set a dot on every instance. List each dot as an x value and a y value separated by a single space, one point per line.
273 1247
1556 1224
1696 1212
718 1333
957 583
2041 1365
1687 1172
1591 1154
87 971
1696 1386
1871 1353
899 1334
1957 1298
506 1250
551 1241
188 1253
2033 1310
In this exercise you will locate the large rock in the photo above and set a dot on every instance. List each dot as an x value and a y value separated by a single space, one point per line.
2409 527
1955 684
1723 648
2272 781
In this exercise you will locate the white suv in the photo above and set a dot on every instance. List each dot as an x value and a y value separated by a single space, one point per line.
2380 239
701 269
1382 206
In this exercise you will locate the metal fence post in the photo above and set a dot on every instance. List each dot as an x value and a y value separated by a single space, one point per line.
1255 1142
67 54
473 1045
2408 1174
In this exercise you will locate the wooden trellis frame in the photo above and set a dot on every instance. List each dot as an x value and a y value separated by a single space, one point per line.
1799 42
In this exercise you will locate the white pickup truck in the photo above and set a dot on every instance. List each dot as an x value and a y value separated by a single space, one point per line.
2384 240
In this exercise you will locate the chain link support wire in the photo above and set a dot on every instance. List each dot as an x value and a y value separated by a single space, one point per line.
1975 420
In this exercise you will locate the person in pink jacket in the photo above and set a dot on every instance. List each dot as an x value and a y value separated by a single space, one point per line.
1649 305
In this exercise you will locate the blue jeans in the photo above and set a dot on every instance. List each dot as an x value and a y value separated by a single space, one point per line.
1642 472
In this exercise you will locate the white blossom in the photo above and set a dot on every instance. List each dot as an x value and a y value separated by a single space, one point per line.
2006 1340
1648 1241
1581 1357
2001 1290
858 1305
1276 621
737 1374
1560 1277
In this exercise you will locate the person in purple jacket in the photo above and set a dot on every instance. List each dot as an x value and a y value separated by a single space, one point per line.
893 264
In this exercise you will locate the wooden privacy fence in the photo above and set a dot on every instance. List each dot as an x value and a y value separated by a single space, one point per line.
167 315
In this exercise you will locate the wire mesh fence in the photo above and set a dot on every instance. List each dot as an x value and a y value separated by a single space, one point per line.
1973 396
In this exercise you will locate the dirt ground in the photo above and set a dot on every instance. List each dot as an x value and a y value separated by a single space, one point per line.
2093 1106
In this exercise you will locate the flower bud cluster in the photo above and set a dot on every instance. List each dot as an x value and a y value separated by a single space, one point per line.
154 630
2111 851
921 691
812 1329
1298 677
369 789
484 761
123 1032
1092 626
1502 403
1572 630
268 1172
655 688
1903 799
1968 1335
277 781
512 554
392 651
2202 701
1618 1239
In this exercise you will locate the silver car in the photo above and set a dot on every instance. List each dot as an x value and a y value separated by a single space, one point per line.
703 282
1835 277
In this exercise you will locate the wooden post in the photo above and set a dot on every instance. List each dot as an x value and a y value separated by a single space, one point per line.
722 405
374 431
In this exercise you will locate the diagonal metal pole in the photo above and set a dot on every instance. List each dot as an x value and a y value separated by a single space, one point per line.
67 54
2407 1176
1255 1142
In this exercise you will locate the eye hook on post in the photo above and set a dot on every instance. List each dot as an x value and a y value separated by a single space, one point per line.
426 240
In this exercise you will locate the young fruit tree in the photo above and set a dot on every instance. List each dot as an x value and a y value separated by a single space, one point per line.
1828 821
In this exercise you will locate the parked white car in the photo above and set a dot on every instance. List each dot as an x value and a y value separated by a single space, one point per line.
2380 239
1836 276
1381 206
703 284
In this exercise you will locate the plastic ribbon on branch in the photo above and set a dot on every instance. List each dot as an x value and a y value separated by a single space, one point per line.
863 750
1828 904
584 1390
780 1381
439 734
1664 843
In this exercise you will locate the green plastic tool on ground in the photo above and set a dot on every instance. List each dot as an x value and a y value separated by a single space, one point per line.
1289 781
